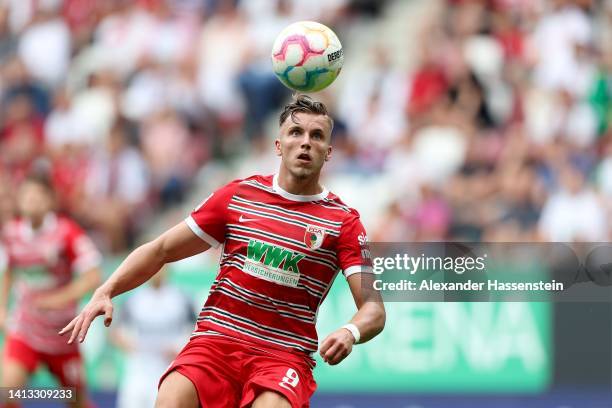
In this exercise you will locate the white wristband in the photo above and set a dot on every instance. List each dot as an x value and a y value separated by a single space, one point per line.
354 331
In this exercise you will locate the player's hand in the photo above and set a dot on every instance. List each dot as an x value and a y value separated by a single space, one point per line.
100 304
337 346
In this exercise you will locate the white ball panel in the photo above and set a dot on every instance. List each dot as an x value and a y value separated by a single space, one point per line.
294 54
314 62
297 76
317 41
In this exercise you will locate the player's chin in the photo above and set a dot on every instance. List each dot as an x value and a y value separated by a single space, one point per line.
307 169
303 171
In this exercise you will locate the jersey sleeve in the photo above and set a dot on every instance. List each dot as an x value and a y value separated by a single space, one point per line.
353 250
80 250
209 219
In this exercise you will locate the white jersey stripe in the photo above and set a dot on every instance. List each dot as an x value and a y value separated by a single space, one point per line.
276 217
226 292
193 226
259 326
253 334
263 297
313 281
265 300
239 227
332 202
308 217
260 186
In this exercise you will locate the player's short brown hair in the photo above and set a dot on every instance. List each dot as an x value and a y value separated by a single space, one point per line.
304 104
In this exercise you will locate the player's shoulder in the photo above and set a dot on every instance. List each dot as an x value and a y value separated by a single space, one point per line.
11 228
65 222
333 202
256 179
12 224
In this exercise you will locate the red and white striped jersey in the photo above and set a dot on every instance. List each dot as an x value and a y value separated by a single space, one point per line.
281 253
42 261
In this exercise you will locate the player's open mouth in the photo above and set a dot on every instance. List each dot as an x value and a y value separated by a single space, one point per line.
304 157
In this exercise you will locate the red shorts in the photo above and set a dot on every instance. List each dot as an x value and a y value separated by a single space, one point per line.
67 368
228 372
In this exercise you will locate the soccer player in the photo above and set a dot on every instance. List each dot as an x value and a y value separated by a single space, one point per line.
51 265
285 237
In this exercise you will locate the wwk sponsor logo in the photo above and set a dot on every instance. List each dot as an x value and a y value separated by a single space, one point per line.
273 263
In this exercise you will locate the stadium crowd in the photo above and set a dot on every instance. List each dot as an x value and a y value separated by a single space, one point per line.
498 129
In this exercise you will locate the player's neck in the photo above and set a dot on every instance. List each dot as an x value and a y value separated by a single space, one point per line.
36 222
307 186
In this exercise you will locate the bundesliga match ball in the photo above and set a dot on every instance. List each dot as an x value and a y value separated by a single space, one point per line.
307 56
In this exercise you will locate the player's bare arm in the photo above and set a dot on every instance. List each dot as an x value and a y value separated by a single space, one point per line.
175 244
369 321
5 290
73 291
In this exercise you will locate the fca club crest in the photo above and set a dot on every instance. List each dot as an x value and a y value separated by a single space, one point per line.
313 237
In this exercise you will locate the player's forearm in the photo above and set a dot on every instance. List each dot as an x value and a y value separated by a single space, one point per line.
80 286
144 262
175 244
6 282
370 320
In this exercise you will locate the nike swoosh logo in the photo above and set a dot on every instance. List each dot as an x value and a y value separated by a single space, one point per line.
242 219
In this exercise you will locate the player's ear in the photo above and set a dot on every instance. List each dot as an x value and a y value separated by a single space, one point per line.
277 147
328 153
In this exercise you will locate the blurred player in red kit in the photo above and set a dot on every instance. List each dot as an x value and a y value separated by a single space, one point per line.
285 237
51 265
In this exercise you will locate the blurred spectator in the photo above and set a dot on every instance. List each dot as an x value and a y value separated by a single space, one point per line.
8 42
96 107
574 212
431 218
165 144
62 125
124 35
21 137
172 35
116 191
145 94
44 46
428 84
392 227
18 82
560 39
375 110
517 201
218 68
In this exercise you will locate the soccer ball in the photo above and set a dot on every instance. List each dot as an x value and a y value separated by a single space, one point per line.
307 56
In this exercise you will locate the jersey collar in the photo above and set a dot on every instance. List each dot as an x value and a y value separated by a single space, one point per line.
297 197
48 224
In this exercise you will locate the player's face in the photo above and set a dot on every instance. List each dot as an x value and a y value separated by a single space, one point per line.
34 201
304 143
